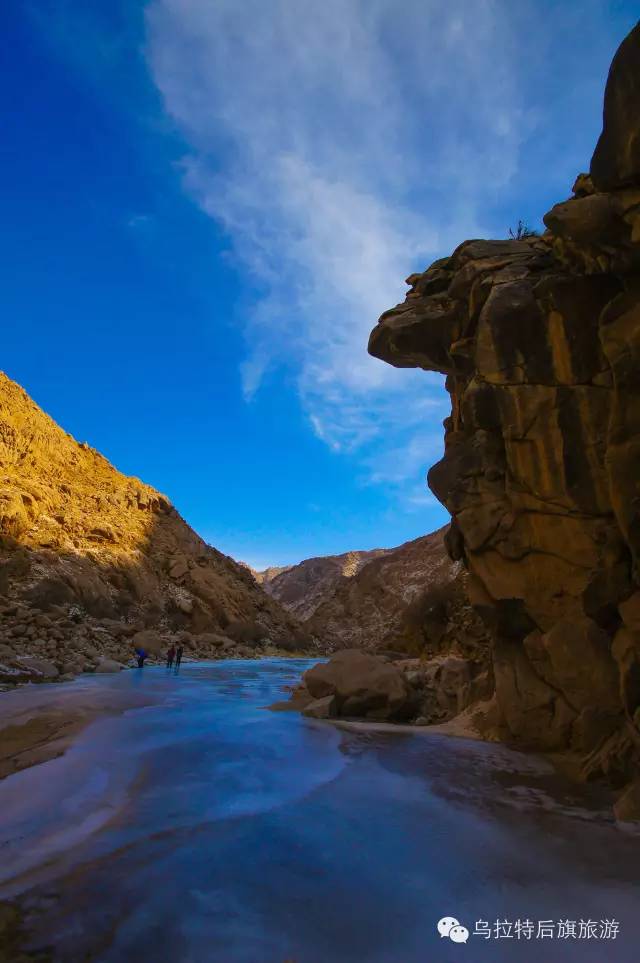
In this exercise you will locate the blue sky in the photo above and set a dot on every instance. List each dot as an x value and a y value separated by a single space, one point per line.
208 203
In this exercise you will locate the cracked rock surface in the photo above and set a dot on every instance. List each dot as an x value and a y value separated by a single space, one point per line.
539 339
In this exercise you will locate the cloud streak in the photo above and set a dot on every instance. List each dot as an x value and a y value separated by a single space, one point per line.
342 145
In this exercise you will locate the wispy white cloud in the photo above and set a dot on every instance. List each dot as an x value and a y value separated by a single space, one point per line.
137 221
342 145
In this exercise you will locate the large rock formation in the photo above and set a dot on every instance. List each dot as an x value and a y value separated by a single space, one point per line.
90 557
355 683
539 339
383 687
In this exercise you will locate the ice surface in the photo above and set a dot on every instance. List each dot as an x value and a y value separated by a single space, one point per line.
206 828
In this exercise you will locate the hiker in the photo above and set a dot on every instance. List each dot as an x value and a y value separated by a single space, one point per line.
141 657
179 652
170 655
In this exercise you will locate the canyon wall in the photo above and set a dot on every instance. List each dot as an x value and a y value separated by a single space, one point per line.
90 557
302 588
410 599
539 339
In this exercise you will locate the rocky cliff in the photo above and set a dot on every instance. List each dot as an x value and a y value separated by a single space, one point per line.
303 587
267 575
539 339
410 599
90 557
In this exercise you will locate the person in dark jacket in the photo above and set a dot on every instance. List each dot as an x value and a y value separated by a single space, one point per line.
179 652
171 652
141 657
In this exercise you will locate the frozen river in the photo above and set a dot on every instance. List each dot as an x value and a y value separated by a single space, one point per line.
205 828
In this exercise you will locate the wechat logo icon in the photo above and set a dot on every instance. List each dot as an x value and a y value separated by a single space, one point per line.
450 926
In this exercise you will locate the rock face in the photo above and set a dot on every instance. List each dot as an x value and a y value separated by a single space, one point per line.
90 557
302 588
539 339
409 599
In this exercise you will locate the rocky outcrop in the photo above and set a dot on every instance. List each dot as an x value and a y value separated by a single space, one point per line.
361 685
357 684
408 599
411 599
267 575
90 558
302 588
539 339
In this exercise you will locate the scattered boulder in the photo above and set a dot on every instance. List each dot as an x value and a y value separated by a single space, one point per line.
299 700
38 669
49 592
178 567
325 708
104 665
150 641
213 639
446 686
14 674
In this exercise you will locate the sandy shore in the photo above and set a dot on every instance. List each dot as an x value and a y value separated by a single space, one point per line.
38 723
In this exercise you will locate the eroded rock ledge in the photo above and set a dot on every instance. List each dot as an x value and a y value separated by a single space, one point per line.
540 341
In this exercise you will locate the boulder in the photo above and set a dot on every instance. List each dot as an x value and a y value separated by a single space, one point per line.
325 708
50 592
178 567
120 630
72 666
213 639
105 665
300 699
38 669
150 641
13 674
363 685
